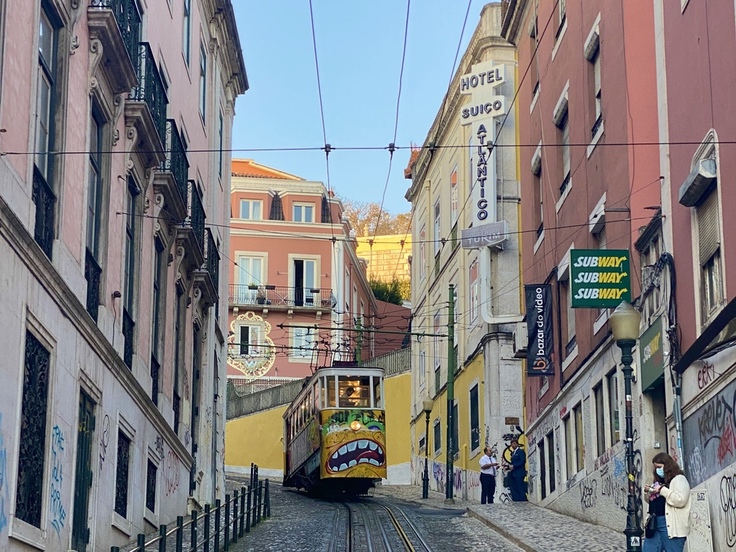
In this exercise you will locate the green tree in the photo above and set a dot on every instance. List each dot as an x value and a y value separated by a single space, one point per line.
394 291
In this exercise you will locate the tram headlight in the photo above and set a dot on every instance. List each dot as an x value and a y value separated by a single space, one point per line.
355 425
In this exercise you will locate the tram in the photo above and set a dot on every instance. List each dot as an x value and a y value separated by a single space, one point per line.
335 432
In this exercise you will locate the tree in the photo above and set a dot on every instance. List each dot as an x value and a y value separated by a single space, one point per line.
363 217
391 292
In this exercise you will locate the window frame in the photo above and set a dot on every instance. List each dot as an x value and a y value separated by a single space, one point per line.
302 209
252 204
186 39
203 82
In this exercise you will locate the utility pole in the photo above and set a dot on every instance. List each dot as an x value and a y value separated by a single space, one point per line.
450 396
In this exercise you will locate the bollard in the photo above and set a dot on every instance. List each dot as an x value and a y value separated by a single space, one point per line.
247 513
114 549
254 507
217 525
162 538
242 510
179 533
141 544
267 505
227 522
251 473
193 543
235 516
207 528
260 499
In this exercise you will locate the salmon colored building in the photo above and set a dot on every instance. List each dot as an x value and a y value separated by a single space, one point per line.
299 296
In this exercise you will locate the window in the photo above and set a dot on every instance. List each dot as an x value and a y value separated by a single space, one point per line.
534 64
122 472
248 276
151 471
551 461
569 424
437 229
159 276
454 197
437 436
595 61
179 336
600 418
536 168
566 299
131 249
202 81
542 469
45 104
564 137
186 38
579 443
92 269
455 432
32 442
422 367
423 252
250 340
562 17
709 239
303 343
303 212
474 419
437 342
251 209
613 409
220 142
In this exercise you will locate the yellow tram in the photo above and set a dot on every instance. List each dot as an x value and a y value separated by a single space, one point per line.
335 431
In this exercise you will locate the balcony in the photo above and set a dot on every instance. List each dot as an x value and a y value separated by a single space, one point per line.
146 108
45 200
171 180
116 24
128 328
190 233
245 295
92 272
208 277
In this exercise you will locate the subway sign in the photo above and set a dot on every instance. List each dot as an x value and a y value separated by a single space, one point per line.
599 278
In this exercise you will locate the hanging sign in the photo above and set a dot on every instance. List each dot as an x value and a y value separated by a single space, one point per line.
599 278
540 349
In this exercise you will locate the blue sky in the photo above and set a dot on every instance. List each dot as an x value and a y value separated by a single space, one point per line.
359 45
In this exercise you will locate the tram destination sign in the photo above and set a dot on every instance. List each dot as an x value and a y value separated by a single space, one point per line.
599 278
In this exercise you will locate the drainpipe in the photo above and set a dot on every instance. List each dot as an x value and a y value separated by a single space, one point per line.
677 413
486 309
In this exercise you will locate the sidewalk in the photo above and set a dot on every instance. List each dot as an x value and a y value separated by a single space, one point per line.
529 527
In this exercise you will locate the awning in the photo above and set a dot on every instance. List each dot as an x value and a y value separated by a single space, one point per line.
721 330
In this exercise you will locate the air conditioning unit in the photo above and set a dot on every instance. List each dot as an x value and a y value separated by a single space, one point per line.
521 340
698 182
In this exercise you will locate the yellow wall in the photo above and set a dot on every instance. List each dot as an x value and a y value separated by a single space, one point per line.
398 415
386 258
256 438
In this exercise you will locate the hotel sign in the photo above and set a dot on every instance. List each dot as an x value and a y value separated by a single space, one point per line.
599 278
485 235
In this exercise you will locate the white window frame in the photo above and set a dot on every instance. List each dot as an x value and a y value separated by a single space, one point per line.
302 212
253 206
302 344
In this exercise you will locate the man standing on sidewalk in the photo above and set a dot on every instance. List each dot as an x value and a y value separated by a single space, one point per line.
518 472
488 466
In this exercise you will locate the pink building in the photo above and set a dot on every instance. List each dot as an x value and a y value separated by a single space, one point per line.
299 297
116 117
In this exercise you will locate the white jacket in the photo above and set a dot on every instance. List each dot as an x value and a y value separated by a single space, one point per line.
677 506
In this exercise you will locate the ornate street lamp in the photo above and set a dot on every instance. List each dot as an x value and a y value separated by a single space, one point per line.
427 407
625 322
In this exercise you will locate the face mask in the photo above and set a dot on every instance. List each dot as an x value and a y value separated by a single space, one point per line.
660 472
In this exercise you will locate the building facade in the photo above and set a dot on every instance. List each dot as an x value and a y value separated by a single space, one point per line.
465 203
388 257
588 99
112 415
299 296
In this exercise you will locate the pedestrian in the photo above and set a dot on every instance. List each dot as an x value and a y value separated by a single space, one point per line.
669 502
488 466
518 472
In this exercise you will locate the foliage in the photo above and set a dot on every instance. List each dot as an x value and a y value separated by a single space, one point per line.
394 291
364 216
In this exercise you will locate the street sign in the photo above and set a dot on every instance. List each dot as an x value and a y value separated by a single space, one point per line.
599 278
485 235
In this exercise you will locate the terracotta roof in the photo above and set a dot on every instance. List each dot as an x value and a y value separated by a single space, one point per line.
412 160
247 168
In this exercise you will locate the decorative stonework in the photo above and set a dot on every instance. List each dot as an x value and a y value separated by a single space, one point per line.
260 357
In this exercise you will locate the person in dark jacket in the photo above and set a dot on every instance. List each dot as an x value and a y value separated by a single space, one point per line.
518 472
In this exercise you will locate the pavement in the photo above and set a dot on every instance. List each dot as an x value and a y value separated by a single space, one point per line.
529 527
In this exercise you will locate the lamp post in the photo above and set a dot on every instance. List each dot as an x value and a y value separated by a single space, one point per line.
427 407
624 323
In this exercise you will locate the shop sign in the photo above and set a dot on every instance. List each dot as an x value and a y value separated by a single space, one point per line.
599 278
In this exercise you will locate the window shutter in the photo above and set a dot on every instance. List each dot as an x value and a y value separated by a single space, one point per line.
565 147
709 238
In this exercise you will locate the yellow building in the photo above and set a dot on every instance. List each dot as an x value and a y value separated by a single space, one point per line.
388 257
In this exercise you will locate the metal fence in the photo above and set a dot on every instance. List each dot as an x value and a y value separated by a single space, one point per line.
215 529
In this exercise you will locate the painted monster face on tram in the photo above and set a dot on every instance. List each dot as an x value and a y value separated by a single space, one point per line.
353 444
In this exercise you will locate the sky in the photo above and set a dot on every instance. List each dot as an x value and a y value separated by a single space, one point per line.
359 52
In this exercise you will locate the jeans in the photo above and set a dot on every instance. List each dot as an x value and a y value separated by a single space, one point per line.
660 542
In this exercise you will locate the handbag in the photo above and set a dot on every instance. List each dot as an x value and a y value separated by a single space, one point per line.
650 527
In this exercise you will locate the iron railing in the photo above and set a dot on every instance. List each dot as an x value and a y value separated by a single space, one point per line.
92 273
150 88
212 259
245 294
45 200
128 19
176 407
176 160
128 328
221 524
195 218
155 372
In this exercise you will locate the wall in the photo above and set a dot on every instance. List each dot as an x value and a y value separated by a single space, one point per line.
398 441
256 438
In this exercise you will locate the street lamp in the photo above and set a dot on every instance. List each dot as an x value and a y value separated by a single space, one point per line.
624 323
427 407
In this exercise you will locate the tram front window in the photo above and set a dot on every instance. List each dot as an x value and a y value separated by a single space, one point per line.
354 391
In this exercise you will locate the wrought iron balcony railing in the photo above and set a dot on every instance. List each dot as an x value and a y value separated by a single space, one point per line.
128 19
195 215
92 272
280 296
128 327
176 159
150 88
176 407
45 200
212 259
155 374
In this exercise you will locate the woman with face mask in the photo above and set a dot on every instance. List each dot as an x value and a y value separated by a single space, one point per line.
669 502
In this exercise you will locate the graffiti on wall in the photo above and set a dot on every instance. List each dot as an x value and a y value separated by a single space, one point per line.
58 513
728 507
706 374
104 439
3 481
710 436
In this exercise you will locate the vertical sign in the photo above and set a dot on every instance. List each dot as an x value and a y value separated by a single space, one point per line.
540 350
